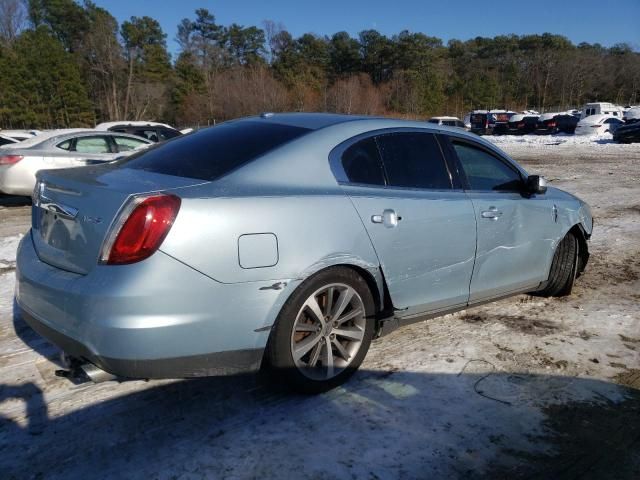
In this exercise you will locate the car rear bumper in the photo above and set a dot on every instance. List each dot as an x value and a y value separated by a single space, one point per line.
217 363
15 180
154 319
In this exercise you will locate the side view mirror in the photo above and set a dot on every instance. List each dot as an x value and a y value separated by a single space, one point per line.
536 184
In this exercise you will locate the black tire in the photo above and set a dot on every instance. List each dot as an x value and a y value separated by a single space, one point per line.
279 359
563 268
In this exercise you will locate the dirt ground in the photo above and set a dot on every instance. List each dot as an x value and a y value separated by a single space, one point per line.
524 388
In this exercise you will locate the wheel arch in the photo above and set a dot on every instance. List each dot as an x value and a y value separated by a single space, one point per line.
581 235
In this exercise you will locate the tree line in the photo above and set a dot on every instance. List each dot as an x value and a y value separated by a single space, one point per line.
70 64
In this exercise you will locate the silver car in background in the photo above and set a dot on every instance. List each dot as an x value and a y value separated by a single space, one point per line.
287 241
19 162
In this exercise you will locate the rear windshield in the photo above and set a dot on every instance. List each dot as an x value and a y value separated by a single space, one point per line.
213 152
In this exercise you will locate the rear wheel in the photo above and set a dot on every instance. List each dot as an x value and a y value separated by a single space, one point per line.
323 332
563 268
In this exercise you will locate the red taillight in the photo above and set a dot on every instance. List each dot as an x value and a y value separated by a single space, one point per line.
521 125
10 159
552 124
140 229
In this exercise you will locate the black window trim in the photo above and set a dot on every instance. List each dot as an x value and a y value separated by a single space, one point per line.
450 139
335 160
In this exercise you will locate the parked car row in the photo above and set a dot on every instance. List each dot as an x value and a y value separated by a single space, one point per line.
594 119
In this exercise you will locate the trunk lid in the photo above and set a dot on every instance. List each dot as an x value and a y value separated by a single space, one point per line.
73 210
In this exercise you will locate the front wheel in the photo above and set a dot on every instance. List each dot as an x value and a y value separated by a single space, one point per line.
563 268
323 331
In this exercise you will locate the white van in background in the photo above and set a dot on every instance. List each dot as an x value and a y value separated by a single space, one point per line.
601 108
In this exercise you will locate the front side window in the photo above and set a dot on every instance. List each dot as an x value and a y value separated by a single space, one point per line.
485 171
92 145
361 163
413 160
126 144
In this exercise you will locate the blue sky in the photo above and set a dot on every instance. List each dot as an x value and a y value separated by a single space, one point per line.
606 22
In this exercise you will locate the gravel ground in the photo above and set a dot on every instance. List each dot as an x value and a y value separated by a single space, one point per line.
523 388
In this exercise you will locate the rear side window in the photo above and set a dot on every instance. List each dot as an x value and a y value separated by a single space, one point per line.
66 145
213 152
413 160
484 171
361 163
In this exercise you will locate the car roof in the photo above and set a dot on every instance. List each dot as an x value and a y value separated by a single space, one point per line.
548 116
326 132
311 121
596 118
318 121
127 123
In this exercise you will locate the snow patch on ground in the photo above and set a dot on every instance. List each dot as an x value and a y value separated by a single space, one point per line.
559 139
8 248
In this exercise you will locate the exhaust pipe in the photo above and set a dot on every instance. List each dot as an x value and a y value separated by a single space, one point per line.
95 374
78 370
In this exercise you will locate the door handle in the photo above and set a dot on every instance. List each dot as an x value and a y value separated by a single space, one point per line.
389 218
493 213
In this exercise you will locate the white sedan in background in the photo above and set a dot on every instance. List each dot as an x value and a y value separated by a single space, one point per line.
19 162
598 125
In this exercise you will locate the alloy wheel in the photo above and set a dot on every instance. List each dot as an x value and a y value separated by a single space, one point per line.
328 331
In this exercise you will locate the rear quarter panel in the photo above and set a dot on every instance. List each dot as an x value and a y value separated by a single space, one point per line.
313 230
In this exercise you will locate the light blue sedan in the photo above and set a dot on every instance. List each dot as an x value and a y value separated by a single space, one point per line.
286 241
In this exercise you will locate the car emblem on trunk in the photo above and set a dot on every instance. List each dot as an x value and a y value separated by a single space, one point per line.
42 201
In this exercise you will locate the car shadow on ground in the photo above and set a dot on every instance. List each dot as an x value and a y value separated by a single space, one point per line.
34 341
380 424
14 201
